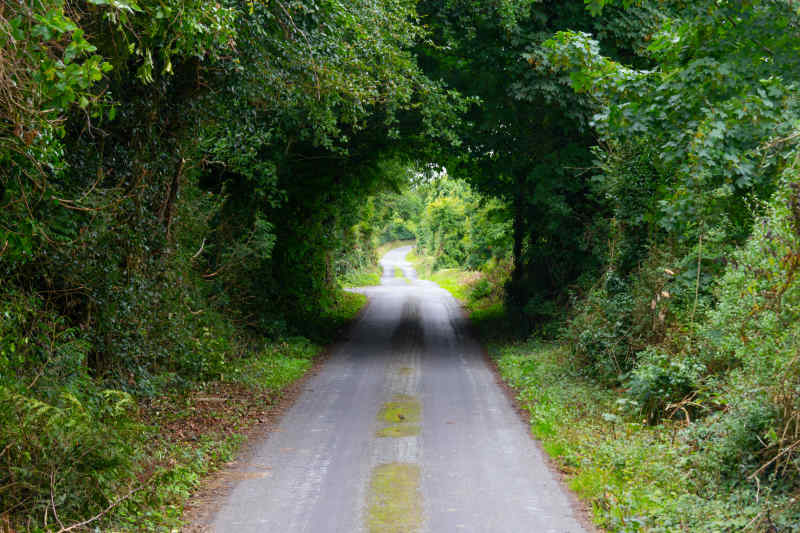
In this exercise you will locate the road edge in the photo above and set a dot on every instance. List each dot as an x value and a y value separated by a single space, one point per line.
581 508
201 507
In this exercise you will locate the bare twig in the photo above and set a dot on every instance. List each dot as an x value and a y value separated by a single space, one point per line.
697 281
214 274
775 142
104 511
200 251
9 485
69 204
52 497
783 452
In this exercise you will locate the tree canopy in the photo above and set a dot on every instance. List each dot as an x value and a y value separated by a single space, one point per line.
183 181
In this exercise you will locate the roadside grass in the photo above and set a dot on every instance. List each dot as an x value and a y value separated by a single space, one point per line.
367 277
335 315
277 367
479 291
627 471
636 477
457 282
489 322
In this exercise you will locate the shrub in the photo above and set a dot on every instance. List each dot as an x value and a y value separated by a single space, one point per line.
68 459
729 444
754 334
481 289
600 332
660 380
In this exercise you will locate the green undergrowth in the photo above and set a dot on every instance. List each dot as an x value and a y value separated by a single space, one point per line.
367 277
83 447
635 476
90 448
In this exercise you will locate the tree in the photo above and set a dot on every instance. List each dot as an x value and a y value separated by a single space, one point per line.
528 140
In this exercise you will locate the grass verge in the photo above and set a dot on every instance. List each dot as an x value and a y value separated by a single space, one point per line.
459 283
480 291
367 277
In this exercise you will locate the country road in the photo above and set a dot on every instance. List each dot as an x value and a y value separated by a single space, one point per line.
404 429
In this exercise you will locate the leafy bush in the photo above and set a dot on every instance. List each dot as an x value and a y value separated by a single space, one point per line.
69 459
660 380
600 333
755 331
37 347
729 445
209 357
481 289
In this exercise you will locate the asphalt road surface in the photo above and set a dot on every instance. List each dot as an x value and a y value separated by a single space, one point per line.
403 430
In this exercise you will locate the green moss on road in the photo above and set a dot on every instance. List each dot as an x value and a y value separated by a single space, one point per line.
394 501
405 409
402 415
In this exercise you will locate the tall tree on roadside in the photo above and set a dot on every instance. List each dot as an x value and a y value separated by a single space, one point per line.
528 140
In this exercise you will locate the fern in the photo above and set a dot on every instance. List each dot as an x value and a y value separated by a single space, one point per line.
71 457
